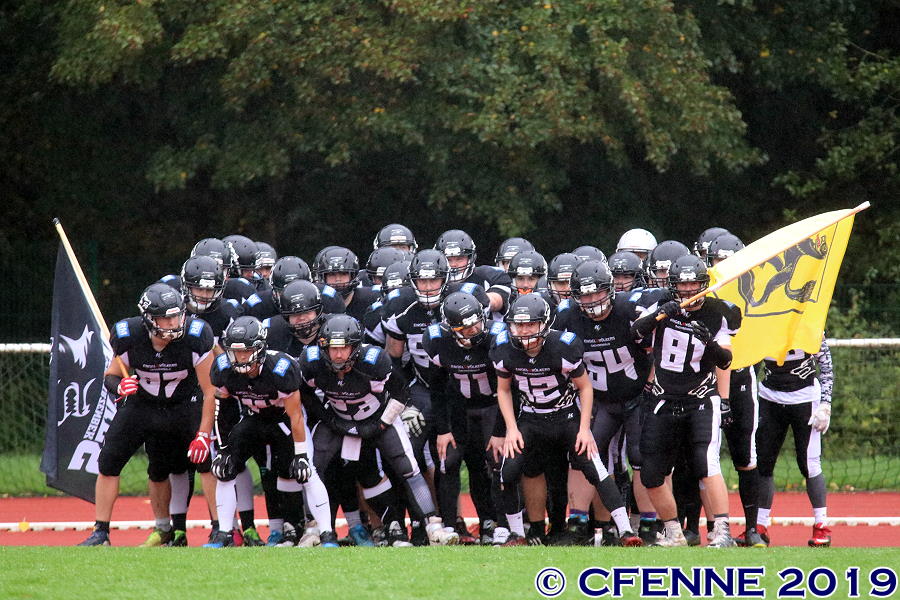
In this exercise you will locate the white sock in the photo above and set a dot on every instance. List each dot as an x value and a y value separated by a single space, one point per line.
620 516
764 516
181 487
226 504
318 502
820 514
352 517
244 489
516 524
276 525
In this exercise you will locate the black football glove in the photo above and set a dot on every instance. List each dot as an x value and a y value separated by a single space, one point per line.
671 309
300 470
223 467
725 409
701 332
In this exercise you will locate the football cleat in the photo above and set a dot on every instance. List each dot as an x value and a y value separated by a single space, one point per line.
157 537
179 539
692 537
212 534
501 535
288 536
668 539
379 536
361 536
97 538
238 537
465 538
763 532
486 529
328 540
396 536
647 530
251 537
821 536
515 539
275 538
629 539
721 536
535 537
223 539
438 535
311 537
752 539
418 537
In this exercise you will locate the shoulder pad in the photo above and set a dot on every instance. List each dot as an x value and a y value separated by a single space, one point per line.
328 291
222 362
567 337
498 327
312 353
502 337
394 294
233 302
281 366
122 329
267 322
376 305
468 288
168 277
434 331
372 355
253 300
376 288
196 327
565 304
635 296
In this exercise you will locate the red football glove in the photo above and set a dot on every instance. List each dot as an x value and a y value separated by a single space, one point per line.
198 451
127 387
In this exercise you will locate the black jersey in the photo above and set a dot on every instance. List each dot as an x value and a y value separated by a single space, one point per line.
363 297
470 370
172 280
371 323
797 372
404 318
279 377
168 376
238 288
359 394
617 365
492 279
682 365
545 380
220 315
262 304
281 338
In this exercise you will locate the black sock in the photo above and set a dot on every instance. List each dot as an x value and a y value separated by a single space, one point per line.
101 526
748 486
536 528
214 524
179 521
291 508
247 519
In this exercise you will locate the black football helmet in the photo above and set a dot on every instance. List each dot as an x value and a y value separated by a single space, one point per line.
688 268
509 248
380 259
286 270
528 308
301 296
395 276
339 331
429 264
705 239
243 253
627 264
722 247
461 311
661 259
202 273
559 271
265 256
589 253
395 235
592 277
338 259
161 300
245 333
527 263
457 242
215 248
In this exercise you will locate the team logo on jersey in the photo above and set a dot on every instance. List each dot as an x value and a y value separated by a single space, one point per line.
564 305
196 328
497 327
312 353
282 366
634 297
253 300
502 337
168 278
233 302
468 288
122 329
372 355
328 291
394 294
434 331
222 362
376 305
567 337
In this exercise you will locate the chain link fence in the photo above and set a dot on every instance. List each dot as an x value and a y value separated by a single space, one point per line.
860 450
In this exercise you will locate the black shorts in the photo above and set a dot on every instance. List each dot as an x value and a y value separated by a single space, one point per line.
678 421
165 431
625 418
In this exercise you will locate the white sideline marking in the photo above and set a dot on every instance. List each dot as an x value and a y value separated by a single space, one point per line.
87 525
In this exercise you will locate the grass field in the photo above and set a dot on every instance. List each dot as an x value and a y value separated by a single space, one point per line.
20 474
272 573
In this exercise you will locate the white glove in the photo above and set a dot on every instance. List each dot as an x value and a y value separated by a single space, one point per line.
821 419
414 420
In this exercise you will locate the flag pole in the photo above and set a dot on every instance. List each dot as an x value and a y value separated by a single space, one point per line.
724 282
86 289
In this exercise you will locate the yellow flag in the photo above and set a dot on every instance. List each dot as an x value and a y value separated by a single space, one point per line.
783 283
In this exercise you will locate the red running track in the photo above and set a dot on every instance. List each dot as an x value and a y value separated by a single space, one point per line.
787 504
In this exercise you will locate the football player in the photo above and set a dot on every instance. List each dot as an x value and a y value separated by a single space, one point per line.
509 248
639 241
459 248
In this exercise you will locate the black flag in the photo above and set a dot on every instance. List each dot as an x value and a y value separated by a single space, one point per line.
79 409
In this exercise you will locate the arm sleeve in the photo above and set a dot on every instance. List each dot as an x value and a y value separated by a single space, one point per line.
826 370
